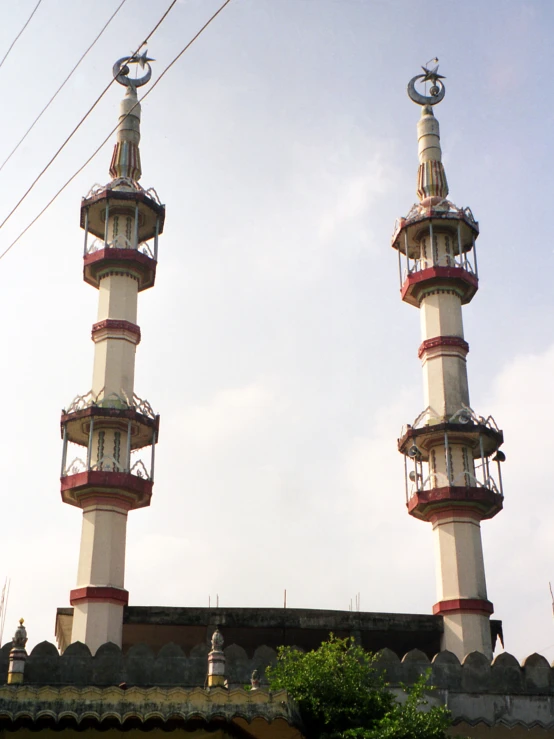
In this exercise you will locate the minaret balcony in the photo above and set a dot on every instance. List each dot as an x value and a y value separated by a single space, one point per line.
126 224
483 502
108 448
436 251
448 463
429 428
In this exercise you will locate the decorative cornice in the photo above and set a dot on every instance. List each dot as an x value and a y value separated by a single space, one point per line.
117 272
90 706
111 328
77 489
440 341
117 261
453 513
99 594
477 606
455 500
439 279
117 502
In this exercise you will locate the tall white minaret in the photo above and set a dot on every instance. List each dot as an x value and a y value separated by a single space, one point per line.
449 448
113 430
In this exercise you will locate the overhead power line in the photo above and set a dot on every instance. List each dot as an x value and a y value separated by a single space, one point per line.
13 43
60 88
95 152
83 119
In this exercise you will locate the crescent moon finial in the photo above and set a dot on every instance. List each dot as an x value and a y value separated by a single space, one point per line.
121 70
437 90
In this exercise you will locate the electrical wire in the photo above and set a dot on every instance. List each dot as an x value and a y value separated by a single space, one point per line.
95 152
83 119
60 88
19 34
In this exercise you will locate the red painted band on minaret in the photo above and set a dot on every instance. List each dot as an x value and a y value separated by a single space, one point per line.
112 324
437 341
476 606
448 273
99 594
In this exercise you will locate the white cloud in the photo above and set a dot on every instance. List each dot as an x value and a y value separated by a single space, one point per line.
519 547
229 413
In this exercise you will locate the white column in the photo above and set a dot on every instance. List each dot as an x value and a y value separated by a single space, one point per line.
114 358
460 571
100 595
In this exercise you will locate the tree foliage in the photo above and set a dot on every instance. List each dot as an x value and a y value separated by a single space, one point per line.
341 694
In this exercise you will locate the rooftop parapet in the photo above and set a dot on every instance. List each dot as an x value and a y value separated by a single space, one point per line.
92 691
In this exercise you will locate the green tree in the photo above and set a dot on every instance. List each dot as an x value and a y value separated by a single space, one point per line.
341 694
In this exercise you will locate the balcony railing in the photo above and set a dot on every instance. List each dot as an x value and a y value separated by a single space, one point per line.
465 414
445 208
112 400
122 242
107 464
460 261
123 182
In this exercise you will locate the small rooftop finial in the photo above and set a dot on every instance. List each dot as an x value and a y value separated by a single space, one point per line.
437 90
216 662
18 655
217 640
255 680
20 637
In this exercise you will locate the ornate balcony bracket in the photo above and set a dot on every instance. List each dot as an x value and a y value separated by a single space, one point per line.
113 400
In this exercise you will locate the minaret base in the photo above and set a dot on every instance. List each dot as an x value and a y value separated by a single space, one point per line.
465 633
95 623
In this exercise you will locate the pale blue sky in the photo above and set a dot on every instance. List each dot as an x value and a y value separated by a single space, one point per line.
275 344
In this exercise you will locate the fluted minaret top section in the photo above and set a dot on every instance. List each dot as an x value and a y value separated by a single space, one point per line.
125 164
432 186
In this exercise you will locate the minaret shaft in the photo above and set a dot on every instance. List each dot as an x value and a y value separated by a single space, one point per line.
104 531
111 423
114 356
450 484
445 381
101 566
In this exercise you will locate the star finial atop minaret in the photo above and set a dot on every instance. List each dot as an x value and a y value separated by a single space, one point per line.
121 69
125 167
437 90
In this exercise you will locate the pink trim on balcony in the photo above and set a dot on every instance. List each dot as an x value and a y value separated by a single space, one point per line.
432 505
80 488
439 278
